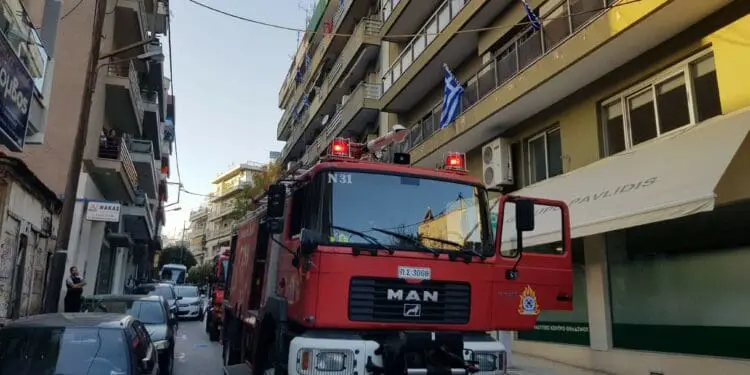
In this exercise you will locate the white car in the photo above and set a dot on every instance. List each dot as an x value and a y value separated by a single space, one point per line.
191 304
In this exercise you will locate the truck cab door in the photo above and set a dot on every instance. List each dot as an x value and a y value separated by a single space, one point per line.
539 276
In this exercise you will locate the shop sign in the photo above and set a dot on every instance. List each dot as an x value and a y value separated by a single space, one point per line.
16 89
103 211
560 332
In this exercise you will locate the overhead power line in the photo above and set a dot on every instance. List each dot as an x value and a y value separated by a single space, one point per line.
464 31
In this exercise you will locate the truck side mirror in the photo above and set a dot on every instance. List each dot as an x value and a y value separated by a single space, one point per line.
276 201
309 241
524 215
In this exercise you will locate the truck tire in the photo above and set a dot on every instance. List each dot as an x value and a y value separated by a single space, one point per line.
209 315
214 333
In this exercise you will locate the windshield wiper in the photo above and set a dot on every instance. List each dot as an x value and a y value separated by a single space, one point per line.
372 240
412 240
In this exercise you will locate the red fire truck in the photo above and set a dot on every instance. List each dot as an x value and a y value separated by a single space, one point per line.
355 266
216 293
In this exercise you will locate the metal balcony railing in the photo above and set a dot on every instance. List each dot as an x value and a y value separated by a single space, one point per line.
24 40
439 20
520 52
117 149
387 9
126 69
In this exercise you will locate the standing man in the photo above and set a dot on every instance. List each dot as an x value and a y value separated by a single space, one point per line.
75 285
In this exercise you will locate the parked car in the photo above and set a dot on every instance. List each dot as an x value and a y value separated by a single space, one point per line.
165 290
152 311
191 305
77 343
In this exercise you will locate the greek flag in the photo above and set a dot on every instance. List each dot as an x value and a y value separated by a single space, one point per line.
451 99
533 19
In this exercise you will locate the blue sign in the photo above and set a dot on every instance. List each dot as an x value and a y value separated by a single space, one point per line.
16 88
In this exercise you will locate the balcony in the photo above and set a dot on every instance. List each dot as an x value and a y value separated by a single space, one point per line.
145 162
536 70
24 40
139 221
123 102
113 170
403 17
413 74
220 210
214 234
328 49
131 22
158 14
198 214
349 69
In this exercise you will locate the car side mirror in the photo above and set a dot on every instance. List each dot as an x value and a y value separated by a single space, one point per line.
179 298
309 241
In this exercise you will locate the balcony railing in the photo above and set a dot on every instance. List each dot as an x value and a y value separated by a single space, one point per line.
24 40
117 149
144 18
522 51
367 27
388 7
126 69
439 20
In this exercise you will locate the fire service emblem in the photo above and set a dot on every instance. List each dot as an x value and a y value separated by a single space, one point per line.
528 304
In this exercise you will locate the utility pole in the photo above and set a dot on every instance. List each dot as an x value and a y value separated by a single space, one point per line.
182 244
59 259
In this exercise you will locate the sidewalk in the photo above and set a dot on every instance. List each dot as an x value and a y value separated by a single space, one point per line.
528 365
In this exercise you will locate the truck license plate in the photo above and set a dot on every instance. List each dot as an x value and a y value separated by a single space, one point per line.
414 273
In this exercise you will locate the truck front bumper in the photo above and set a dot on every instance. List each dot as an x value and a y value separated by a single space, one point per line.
347 354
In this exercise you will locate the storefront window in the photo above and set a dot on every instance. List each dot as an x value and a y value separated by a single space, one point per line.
680 286
567 327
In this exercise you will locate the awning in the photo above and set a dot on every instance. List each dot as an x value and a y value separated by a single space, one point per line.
666 178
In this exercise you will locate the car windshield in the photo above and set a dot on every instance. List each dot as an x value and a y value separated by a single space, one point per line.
439 215
187 291
165 291
63 351
148 312
175 275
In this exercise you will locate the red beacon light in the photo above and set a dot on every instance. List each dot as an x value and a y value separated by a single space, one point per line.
456 161
340 147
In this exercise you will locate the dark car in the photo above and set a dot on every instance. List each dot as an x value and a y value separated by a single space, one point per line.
152 311
77 344
159 289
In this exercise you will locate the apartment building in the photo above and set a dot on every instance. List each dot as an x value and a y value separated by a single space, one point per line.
122 187
219 219
197 233
633 112
333 85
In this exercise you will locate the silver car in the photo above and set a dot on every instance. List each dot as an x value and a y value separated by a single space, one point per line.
191 304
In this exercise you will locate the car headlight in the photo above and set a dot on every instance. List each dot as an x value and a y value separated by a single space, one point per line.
161 345
325 360
486 361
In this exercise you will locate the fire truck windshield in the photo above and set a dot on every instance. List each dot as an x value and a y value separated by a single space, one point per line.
406 212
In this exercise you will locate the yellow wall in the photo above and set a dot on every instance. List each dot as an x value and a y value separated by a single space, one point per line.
577 115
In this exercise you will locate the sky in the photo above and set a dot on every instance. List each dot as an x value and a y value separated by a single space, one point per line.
226 80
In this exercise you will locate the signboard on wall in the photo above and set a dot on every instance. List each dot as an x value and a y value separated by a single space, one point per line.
103 211
16 89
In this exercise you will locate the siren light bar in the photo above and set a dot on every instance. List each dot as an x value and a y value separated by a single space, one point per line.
455 161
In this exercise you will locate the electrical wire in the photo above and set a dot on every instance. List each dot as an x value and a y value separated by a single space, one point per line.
464 31
71 10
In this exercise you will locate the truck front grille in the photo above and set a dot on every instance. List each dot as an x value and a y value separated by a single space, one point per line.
396 301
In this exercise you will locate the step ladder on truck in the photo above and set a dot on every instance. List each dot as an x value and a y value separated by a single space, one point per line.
358 266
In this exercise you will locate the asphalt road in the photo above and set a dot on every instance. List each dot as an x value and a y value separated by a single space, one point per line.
194 354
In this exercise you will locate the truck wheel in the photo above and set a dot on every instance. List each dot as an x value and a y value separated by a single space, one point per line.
208 322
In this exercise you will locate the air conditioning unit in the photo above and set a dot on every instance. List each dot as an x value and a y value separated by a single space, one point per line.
497 166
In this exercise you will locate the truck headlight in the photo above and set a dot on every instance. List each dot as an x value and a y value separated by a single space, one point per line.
325 360
161 345
486 361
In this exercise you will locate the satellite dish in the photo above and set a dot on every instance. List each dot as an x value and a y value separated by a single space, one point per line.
325 119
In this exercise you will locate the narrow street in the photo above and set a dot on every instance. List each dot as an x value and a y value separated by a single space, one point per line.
194 354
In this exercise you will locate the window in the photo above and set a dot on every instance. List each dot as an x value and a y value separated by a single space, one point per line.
544 156
305 208
684 95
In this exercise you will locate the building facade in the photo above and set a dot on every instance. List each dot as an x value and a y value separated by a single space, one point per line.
219 218
197 233
122 187
633 112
